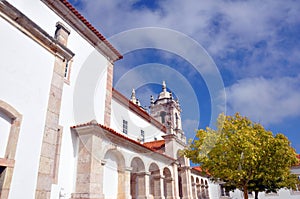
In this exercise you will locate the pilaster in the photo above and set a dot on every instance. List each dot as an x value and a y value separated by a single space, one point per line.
126 182
50 151
108 97
89 180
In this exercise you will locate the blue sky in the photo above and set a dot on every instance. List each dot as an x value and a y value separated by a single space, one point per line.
255 46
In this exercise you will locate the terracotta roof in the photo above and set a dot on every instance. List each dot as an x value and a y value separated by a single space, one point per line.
298 156
92 28
119 135
157 145
54 5
199 169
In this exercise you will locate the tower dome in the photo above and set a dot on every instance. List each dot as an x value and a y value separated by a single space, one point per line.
164 93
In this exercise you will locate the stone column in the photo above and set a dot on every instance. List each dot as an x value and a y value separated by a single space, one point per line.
176 181
143 180
170 188
158 187
124 183
186 182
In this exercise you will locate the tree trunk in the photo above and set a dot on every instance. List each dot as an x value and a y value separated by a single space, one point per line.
245 189
256 195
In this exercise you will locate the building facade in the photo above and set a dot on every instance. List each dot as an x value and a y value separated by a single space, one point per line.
67 133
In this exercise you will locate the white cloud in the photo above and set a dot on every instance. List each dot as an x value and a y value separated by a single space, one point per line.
268 101
223 27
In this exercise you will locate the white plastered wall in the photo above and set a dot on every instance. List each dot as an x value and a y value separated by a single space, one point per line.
26 71
135 123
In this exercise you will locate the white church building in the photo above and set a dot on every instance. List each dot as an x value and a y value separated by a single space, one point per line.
65 132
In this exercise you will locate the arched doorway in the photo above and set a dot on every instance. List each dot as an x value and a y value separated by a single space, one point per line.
155 181
168 186
202 189
114 174
193 187
198 188
206 193
137 178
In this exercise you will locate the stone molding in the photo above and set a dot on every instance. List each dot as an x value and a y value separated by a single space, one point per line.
33 31
67 12
8 162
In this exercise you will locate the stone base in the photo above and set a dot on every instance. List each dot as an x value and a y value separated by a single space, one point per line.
159 197
87 196
145 197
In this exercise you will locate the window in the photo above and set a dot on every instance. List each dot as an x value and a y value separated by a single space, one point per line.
68 71
142 136
125 126
163 115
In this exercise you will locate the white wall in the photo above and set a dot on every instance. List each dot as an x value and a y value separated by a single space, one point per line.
26 70
135 123
110 177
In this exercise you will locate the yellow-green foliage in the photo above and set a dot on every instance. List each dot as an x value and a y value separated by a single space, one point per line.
244 155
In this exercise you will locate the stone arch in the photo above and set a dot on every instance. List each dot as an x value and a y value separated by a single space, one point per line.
202 189
206 192
138 178
162 115
137 164
114 174
198 188
168 183
155 180
13 119
194 188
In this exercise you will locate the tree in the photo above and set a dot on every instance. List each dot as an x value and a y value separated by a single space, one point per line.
244 155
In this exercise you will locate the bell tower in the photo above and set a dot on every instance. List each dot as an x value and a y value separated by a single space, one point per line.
166 110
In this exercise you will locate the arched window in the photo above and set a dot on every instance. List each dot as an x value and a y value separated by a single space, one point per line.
163 116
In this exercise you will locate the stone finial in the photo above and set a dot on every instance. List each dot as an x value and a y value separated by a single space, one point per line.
164 86
151 99
133 97
138 102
